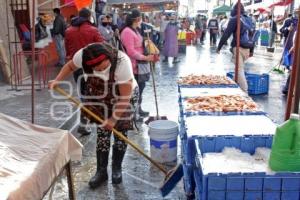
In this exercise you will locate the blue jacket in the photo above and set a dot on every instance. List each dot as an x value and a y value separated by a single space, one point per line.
287 23
231 28
289 35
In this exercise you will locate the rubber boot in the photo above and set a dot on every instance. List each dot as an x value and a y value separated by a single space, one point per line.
176 60
143 113
101 173
117 159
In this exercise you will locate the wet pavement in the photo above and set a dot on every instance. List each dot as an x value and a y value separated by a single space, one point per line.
140 179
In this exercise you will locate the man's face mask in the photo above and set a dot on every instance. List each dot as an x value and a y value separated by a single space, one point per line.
105 23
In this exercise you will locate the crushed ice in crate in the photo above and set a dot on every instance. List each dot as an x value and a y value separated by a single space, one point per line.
233 160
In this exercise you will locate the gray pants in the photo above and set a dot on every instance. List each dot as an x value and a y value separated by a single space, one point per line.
243 56
60 47
272 38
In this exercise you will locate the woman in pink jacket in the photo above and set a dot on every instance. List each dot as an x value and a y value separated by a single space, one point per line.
132 42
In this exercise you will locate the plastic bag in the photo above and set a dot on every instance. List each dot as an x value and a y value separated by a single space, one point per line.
151 48
181 35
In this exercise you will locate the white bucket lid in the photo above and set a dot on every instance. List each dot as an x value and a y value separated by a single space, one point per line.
163 127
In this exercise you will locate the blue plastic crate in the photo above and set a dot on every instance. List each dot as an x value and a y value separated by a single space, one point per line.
243 186
246 143
217 143
264 38
264 44
257 83
188 174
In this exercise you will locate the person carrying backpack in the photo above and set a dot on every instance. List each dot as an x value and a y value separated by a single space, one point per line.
246 43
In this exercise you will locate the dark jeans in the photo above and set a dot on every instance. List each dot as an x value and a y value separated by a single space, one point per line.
213 38
142 86
222 32
202 36
76 75
156 38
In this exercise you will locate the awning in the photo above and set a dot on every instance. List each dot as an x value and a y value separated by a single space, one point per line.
263 10
221 9
281 3
268 4
139 1
257 6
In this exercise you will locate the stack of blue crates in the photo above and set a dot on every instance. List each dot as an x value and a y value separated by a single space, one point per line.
187 157
194 180
243 186
264 38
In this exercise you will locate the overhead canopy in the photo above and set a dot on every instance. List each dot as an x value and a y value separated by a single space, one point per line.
281 3
139 1
221 10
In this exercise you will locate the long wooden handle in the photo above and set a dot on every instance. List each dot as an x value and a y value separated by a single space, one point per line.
116 132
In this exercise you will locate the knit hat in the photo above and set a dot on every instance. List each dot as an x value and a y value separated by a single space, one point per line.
85 13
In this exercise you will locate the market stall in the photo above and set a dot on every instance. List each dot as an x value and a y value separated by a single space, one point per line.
215 128
32 157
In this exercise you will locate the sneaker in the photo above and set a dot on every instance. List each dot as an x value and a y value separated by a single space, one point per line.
284 92
84 130
176 61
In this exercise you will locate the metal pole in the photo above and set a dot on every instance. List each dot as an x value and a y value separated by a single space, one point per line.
9 48
293 93
33 59
271 31
68 168
296 67
238 33
14 8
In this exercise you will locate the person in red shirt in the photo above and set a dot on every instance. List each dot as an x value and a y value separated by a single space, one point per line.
78 35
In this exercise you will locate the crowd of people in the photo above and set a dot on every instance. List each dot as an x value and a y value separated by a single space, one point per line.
127 31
